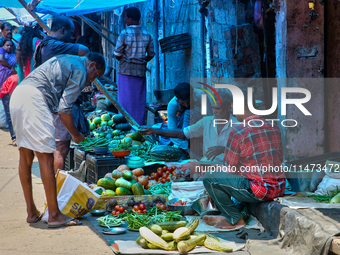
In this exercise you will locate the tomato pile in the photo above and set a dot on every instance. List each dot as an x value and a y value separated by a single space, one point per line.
118 210
162 175
139 208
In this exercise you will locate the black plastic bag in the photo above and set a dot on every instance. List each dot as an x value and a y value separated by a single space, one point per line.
80 120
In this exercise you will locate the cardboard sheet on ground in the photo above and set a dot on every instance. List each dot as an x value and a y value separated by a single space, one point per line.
301 200
130 247
202 226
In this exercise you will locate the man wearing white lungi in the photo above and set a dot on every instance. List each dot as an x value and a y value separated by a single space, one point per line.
51 88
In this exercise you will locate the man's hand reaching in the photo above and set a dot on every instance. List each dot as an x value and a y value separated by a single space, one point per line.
213 152
78 138
144 130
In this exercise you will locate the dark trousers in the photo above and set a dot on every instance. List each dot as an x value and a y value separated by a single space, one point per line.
5 102
222 186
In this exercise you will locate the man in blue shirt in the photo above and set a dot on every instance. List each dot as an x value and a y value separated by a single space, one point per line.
58 43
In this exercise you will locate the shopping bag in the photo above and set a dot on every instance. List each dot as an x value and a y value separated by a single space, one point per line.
188 190
80 120
74 197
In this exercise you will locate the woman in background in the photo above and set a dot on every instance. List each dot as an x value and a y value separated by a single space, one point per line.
7 65
7 60
25 52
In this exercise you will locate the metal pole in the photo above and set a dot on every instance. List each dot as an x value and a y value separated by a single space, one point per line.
102 27
109 81
156 17
36 17
96 29
203 46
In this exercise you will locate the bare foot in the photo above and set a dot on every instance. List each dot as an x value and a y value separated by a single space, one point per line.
213 219
226 225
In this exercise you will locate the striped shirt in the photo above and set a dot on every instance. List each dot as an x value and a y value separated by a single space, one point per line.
255 148
134 49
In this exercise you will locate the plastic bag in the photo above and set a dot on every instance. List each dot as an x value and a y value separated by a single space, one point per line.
80 120
188 190
3 123
75 198
327 185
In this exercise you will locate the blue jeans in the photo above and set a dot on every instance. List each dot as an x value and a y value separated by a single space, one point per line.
5 102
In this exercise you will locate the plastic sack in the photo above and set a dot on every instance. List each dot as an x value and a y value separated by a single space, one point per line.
3 123
74 197
80 120
327 185
188 190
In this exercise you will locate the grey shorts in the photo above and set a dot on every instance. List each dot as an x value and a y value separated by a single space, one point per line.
61 134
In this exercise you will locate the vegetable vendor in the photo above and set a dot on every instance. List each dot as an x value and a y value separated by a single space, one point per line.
250 152
183 108
214 136
53 87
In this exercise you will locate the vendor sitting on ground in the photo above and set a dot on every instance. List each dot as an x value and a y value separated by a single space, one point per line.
183 108
251 150
215 136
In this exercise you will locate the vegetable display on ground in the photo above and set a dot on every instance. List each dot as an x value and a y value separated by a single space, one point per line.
331 196
156 237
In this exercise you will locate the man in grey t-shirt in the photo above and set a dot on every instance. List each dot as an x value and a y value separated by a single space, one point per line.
51 88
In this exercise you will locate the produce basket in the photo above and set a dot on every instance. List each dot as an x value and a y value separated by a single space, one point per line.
79 156
99 165
69 160
101 204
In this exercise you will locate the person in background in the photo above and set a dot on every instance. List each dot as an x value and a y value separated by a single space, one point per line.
53 87
25 51
215 137
86 39
7 65
184 108
7 60
134 50
17 31
251 150
58 43
7 32
5 94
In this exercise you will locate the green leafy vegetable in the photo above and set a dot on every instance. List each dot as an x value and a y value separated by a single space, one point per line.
327 197
161 188
151 216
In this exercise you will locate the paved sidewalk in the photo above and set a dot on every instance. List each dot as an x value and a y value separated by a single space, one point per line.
19 237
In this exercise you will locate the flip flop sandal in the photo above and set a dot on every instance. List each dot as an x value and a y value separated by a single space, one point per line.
36 219
65 224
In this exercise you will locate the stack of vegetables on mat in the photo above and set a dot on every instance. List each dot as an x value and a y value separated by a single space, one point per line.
122 181
136 220
179 236
139 207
